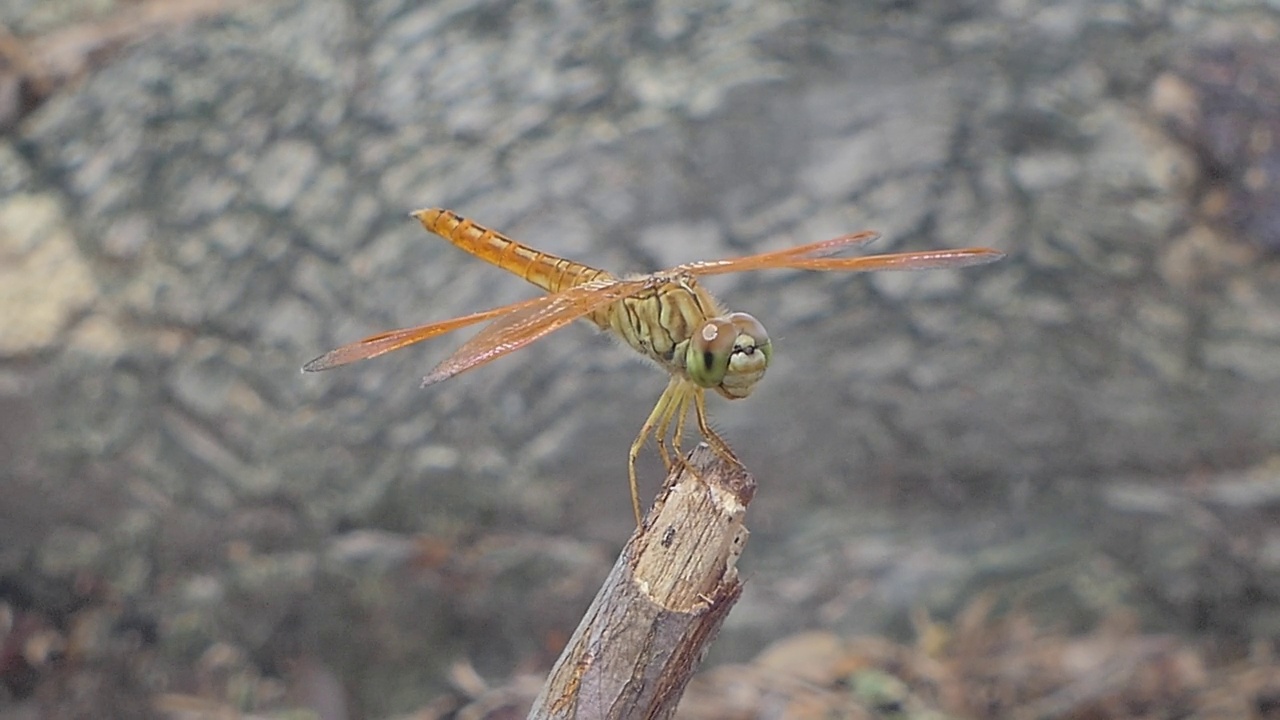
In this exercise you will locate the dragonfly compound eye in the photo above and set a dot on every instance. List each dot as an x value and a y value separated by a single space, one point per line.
749 357
751 335
707 358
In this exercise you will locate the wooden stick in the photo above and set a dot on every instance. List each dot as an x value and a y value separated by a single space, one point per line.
663 603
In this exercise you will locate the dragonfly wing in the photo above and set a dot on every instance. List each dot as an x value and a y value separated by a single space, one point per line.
916 260
383 343
784 258
816 256
518 329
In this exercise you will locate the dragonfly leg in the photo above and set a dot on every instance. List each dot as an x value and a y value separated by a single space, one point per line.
677 409
694 394
713 439
663 408
678 437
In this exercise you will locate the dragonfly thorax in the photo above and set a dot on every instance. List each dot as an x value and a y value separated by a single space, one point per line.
730 354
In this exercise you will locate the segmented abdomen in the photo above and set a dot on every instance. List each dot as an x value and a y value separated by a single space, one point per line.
547 271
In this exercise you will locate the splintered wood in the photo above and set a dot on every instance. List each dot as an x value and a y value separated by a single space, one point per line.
665 600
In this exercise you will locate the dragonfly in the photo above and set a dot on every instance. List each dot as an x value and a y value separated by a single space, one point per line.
666 316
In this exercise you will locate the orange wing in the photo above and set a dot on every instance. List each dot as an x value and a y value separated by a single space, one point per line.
814 256
385 342
523 325
514 326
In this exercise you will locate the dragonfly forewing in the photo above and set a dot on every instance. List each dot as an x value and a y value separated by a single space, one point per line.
518 329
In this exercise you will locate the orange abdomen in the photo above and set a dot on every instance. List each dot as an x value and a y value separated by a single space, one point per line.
547 271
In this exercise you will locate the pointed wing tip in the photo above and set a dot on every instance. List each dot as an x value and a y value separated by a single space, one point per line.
321 363
987 255
441 373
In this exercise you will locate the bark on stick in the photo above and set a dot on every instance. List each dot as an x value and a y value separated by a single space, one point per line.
666 598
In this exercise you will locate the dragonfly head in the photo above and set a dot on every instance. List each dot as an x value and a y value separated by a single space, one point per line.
729 354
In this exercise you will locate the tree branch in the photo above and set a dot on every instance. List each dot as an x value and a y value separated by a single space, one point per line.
663 603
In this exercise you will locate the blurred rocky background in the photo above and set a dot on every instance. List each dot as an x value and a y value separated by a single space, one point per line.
1049 486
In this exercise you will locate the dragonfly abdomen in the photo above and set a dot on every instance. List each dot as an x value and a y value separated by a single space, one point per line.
547 271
